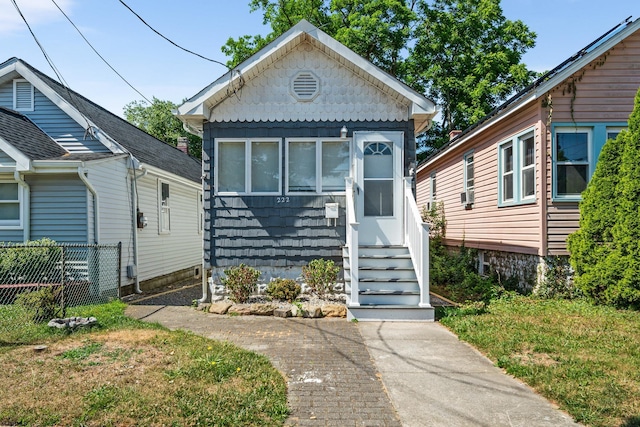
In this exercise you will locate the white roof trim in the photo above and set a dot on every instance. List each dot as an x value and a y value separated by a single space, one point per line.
541 90
195 109
23 163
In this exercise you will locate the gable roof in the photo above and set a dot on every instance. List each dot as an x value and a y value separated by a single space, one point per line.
19 131
542 85
116 133
200 107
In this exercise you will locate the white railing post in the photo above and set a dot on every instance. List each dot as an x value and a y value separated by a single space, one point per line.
417 240
352 242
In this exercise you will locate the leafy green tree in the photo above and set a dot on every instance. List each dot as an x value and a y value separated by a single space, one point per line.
159 121
466 58
378 30
605 251
463 54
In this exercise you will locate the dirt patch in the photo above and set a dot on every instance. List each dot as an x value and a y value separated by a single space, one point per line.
529 357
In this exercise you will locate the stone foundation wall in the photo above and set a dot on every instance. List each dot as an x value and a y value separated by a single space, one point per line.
527 268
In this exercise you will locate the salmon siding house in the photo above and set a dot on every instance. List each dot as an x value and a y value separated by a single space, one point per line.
307 153
511 184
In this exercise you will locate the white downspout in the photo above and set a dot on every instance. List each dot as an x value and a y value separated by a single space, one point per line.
26 210
96 212
134 215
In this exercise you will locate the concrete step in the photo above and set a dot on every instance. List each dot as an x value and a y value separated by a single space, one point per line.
390 312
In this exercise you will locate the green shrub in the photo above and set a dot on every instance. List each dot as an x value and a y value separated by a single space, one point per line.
557 281
605 251
320 276
436 219
283 289
40 305
33 262
240 282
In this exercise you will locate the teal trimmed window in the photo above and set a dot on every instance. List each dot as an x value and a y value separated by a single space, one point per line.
517 170
575 149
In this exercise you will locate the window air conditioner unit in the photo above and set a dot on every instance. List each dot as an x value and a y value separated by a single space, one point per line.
467 198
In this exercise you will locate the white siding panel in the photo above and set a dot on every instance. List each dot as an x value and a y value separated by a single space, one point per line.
112 182
162 254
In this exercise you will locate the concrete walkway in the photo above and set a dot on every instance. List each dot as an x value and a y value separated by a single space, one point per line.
341 373
434 379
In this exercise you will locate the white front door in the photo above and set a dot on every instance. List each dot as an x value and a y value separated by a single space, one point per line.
379 169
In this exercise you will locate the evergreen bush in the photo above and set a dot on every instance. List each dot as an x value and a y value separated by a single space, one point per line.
605 251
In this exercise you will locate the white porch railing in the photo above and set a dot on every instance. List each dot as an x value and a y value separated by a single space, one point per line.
416 236
352 241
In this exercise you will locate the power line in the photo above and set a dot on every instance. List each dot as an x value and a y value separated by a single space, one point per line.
97 53
169 40
46 56
57 72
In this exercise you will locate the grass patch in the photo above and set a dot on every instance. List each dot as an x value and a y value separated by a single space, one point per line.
585 358
126 372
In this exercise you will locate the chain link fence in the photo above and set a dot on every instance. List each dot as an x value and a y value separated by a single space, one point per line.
68 274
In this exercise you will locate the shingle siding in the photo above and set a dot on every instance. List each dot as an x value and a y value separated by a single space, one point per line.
259 231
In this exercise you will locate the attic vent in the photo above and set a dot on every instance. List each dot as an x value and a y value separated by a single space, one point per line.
22 95
305 86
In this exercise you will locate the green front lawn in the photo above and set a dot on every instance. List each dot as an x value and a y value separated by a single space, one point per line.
585 358
126 372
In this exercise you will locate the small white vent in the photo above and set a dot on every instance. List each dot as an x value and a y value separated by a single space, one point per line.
305 86
22 95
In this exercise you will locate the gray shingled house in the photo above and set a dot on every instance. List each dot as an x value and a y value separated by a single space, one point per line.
76 173
308 153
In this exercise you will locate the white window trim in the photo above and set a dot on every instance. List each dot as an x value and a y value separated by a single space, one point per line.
517 142
616 129
13 224
15 95
200 211
247 166
318 142
502 173
555 163
162 227
464 166
521 157
433 194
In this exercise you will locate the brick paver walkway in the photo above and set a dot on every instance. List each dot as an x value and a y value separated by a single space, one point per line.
332 380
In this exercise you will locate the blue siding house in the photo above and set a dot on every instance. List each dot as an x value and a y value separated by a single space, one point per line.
308 152
73 172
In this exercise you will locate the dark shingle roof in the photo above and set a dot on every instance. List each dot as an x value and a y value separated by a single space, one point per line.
143 146
24 135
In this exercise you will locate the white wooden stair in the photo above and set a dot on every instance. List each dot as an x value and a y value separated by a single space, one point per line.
388 288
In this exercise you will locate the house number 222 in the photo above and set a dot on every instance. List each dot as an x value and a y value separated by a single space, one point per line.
282 200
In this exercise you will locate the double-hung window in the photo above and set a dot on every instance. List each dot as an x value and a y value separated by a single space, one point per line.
247 166
164 213
571 152
316 166
10 205
468 173
517 170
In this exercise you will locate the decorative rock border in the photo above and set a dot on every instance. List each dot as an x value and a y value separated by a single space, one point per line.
313 308
72 322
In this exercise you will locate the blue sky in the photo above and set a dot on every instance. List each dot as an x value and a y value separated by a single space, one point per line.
156 68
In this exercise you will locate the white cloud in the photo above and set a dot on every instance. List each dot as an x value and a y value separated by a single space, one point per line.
35 11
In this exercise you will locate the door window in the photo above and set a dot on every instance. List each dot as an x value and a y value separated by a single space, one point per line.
378 179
